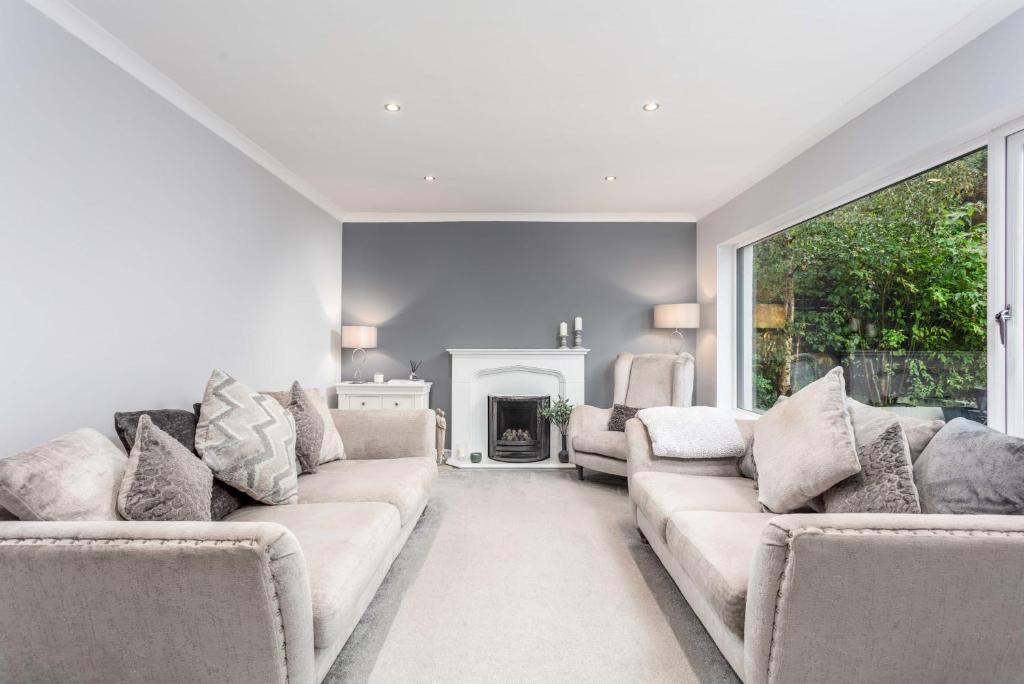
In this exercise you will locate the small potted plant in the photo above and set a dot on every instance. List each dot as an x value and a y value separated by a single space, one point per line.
558 413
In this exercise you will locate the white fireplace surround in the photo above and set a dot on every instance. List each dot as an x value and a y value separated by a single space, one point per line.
479 373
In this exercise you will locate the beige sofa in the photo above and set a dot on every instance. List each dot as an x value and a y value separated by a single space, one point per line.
640 381
833 598
270 594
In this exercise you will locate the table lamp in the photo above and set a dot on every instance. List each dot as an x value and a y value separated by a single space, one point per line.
358 338
677 316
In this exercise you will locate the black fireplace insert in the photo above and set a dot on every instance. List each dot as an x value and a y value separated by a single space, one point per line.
516 430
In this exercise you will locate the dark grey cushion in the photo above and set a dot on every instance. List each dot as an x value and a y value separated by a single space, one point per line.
885 483
969 468
163 480
620 414
181 425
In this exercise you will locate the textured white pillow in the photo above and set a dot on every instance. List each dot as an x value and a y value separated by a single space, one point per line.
804 446
248 440
692 432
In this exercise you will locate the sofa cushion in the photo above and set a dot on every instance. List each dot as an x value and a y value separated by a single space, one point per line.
969 468
659 495
885 483
650 380
163 480
603 442
402 482
870 421
73 477
248 440
804 446
344 545
620 414
329 447
716 551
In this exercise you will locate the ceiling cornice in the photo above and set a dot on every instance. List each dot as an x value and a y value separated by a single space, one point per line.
562 217
80 25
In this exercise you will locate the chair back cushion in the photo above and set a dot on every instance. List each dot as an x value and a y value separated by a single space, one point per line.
660 380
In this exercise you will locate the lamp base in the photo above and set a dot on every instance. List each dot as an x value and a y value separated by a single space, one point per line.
677 346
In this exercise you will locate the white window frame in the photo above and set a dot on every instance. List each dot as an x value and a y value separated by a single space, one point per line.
1005 261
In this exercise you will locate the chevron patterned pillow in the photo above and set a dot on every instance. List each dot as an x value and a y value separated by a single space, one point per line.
248 440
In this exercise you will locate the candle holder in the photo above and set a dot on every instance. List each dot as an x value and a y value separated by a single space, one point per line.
563 341
577 339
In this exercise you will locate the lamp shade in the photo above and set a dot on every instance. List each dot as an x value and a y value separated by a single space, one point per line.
677 315
358 337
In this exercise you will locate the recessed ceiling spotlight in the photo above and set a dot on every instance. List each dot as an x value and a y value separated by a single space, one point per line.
652 107
430 179
392 107
610 178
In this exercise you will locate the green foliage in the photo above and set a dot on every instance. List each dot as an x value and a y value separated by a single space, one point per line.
892 286
558 413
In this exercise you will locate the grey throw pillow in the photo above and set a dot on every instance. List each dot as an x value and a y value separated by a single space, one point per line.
320 435
248 440
804 445
971 469
163 479
870 421
885 483
73 477
620 414
181 425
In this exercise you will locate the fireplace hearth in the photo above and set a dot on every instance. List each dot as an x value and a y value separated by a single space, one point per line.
516 430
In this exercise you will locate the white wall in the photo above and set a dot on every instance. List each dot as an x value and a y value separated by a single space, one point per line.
976 89
138 250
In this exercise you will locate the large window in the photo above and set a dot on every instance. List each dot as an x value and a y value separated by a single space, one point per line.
892 287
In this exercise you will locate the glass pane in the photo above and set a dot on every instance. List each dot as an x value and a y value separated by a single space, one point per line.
892 287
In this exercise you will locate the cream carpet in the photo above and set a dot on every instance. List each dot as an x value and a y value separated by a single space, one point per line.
527 576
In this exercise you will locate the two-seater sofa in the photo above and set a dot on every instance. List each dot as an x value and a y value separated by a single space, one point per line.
833 598
270 594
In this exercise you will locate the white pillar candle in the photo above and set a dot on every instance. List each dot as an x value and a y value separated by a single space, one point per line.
579 323
563 328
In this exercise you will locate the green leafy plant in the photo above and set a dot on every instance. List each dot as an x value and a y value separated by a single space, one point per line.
558 413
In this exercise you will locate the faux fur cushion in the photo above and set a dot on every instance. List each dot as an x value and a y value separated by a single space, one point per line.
885 483
970 468
317 432
692 432
870 421
73 477
163 479
248 440
620 414
181 425
804 445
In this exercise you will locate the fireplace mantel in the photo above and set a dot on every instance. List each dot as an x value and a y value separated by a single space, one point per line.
479 373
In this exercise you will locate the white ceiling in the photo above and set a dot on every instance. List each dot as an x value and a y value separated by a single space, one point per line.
525 105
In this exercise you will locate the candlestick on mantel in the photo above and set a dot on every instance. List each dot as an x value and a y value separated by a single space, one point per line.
579 323
563 328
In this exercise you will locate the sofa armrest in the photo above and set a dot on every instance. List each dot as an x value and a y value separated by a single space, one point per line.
885 597
641 457
585 419
387 433
162 602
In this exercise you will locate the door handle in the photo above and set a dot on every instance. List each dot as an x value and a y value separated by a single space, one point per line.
1002 318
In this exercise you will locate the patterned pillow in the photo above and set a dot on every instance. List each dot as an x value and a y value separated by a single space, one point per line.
163 479
885 483
181 425
328 444
248 440
72 477
620 414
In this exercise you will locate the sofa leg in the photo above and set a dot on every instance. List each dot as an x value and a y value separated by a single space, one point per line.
643 537
579 472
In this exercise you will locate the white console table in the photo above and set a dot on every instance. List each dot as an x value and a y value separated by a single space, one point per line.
384 395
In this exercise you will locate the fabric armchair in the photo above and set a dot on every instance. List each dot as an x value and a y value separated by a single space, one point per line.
640 381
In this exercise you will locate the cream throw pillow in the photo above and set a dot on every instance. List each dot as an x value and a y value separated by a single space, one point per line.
248 440
804 446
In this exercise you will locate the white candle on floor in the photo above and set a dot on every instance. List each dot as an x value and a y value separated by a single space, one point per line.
579 323
563 328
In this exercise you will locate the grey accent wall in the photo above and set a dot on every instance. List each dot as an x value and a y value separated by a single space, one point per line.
434 286
138 250
974 90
